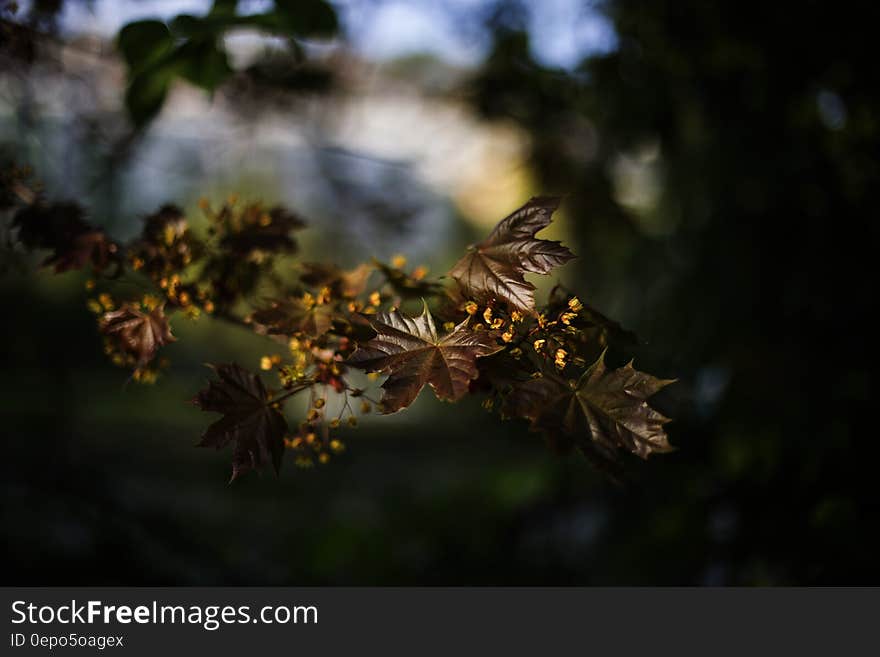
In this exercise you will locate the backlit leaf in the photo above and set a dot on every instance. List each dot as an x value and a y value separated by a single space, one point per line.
137 332
413 354
496 267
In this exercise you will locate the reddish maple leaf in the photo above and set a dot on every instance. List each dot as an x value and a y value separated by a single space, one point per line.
137 332
250 422
413 354
496 267
605 408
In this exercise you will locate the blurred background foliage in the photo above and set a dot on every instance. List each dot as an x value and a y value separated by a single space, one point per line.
716 160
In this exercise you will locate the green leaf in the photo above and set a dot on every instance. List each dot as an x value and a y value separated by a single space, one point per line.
223 8
144 43
203 63
146 94
310 18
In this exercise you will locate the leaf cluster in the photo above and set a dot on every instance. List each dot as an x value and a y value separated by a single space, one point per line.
487 335
191 47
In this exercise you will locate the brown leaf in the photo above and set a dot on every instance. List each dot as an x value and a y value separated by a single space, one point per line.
496 267
607 409
345 284
412 353
406 286
92 248
137 332
250 422
258 230
61 227
291 316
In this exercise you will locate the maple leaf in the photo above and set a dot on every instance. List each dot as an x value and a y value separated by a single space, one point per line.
413 354
593 325
405 285
605 409
258 230
496 267
345 284
61 227
250 422
292 315
137 332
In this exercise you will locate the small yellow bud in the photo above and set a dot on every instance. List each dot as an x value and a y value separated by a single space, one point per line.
319 402
398 261
366 407
575 304
106 300
516 316
265 363
337 446
539 344
209 307
183 298
94 306
471 308
487 314
507 336
448 326
497 323
265 220
352 421
324 458
334 424
90 284
308 300
312 415
561 355
375 299
566 318
419 272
